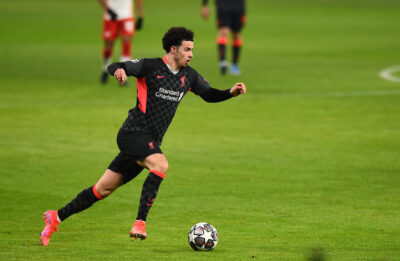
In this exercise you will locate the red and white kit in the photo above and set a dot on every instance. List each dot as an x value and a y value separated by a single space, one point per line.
123 24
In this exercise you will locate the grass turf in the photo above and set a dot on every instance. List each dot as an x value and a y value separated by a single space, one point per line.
308 159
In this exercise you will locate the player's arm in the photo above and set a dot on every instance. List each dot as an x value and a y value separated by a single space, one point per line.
110 12
238 89
139 9
129 68
202 88
215 95
205 12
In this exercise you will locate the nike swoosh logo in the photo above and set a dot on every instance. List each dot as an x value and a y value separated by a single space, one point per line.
160 76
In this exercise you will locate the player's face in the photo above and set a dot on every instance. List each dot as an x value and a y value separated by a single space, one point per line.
184 53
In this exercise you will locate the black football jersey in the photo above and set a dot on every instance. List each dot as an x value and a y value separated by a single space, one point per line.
159 92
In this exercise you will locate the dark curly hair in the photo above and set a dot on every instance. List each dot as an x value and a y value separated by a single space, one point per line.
174 37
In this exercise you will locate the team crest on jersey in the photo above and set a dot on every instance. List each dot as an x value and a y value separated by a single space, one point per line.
135 60
183 81
151 145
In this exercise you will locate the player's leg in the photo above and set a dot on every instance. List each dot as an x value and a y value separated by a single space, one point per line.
222 39
158 166
126 48
107 52
148 155
236 46
109 35
127 29
237 22
109 182
85 199
121 170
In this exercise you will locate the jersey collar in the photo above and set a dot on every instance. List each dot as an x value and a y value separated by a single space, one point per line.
169 66
165 59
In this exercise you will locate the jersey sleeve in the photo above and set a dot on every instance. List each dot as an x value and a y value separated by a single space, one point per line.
135 67
202 88
199 85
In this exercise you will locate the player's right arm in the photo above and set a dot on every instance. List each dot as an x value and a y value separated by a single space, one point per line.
120 75
129 68
110 12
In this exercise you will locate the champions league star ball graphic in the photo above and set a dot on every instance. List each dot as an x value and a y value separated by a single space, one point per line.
203 236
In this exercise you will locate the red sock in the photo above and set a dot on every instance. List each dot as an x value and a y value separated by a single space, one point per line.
106 54
126 49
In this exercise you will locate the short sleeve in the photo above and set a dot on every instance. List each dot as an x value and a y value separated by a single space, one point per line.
135 67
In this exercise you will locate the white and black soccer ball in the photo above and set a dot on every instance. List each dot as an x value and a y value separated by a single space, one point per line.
203 236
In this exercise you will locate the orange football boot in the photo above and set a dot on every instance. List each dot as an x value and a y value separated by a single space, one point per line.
139 230
50 225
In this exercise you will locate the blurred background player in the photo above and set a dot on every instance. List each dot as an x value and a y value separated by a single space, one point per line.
118 20
230 18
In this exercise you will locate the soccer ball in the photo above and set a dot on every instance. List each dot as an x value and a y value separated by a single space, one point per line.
203 236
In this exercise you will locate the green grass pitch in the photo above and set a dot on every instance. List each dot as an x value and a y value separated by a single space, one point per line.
308 159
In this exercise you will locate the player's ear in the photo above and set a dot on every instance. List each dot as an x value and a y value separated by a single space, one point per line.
173 49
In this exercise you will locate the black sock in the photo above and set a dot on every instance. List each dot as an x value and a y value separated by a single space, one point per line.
222 51
236 51
149 193
83 200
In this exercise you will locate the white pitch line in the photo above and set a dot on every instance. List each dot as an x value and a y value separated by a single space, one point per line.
338 94
387 74
85 103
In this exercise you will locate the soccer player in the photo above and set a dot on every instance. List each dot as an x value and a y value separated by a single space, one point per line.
161 85
118 20
230 19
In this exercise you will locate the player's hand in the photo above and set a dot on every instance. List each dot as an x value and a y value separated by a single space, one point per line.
237 89
205 12
139 23
120 75
112 14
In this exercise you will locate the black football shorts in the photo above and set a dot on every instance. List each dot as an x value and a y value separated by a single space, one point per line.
233 20
133 146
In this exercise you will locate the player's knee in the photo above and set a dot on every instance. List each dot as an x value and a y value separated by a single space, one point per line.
104 192
161 166
223 32
236 37
107 192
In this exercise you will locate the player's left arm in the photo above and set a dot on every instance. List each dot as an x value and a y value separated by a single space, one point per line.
215 95
110 12
202 88
238 89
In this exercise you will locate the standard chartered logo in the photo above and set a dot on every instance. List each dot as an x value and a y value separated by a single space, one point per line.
169 95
